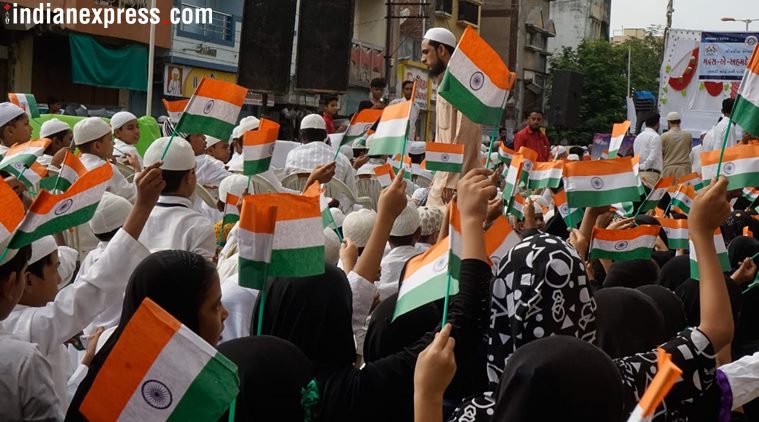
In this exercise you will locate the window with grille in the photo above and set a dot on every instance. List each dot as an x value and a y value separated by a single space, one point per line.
221 27
445 6
469 12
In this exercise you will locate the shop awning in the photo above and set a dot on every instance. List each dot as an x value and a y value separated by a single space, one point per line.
95 64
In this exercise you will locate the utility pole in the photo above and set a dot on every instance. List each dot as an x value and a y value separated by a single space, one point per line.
388 38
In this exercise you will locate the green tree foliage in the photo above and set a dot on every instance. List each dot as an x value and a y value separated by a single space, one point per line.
604 69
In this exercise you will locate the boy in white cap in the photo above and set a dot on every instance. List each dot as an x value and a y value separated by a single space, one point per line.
50 318
246 124
59 133
14 126
315 152
27 382
234 184
357 227
451 127
208 170
217 148
403 236
174 224
93 138
126 134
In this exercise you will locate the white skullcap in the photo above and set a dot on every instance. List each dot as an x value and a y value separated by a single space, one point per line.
90 129
441 35
338 216
431 219
67 258
331 247
42 247
313 121
672 116
560 150
234 184
358 225
407 222
419 195
111 213
8 112
211 141
573 157
51 127
179 157
347 151
417 147
246 124
121 118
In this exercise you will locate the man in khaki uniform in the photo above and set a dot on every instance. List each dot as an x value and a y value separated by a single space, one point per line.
676 147
451 127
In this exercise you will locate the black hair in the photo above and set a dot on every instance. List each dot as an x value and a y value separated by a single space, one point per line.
17 263
727 105
652 119
173 179
378 83
11 122
577 151
435 45
37 267
401 240
313 135
87 146
535 111
52 100
329 98
106 237
406 82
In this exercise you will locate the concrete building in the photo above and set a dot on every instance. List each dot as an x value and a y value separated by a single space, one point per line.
628 33
578 20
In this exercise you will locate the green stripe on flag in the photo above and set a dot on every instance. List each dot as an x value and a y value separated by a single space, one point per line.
229 219
210 393
677 243
387 146
253 167
192 123
638 253
302 262
741 180
428 292
454 266
746 114
462 99
724 262
33 108
53 226
543 183
449 167
580 199
48 184
252 274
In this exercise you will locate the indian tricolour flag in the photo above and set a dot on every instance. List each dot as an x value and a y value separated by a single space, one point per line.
231 212
618 132
599 183
327 219
571 216
161 370
519 164
505 154
667 374
255 239
683 197
456 241
175 108
71 170
425 279
50 214
740 164
21 161
719 245
635 160
476 81
213 109
545 175
624 209
390 136
360 124
385 174
622 245
298 242
656 194
676 231
750 194
499 239
26 102
516 207
11 213
444 157
746 108
693 179
258 147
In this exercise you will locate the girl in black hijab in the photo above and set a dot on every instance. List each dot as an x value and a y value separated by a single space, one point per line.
632 273
275 380
628 322
184 284
670 306
674 272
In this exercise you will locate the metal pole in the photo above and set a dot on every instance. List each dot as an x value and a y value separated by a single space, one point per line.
629 68
151 62
388 39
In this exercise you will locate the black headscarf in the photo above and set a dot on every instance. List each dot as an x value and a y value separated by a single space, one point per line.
632 274
670 306
733 226
273 374
689 293
674 272
541 290
315 314
628 322
740 248
559 378
385 336
176 281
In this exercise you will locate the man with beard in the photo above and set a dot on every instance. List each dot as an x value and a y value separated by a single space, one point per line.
451 126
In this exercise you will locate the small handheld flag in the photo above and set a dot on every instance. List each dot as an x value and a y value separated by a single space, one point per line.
360 124
258 147
676 231
623 245
11 213
444 157
175 108
599 183
213 109
390 136
746 109
618 132
740 165
667 374
385 174
719 245
26 102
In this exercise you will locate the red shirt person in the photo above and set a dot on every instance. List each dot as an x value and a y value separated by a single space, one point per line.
533 138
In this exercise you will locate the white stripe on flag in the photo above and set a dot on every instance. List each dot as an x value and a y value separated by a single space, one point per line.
444 157
257 152
255 246
299 233
219 109
645 241
391 128
608 182
462 68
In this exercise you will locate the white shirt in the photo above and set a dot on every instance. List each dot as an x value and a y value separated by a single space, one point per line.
121 149
26 384
173 224
716 135
647 146
391 267
76 305
112 314
695 158
314 154
239 302
209 171
44 160
363 293
118 184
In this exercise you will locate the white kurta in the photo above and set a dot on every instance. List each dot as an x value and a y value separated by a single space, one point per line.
209 171
111 315
363 293
239 302
118 184
76 305
26 384
391 267
121 149
173 224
